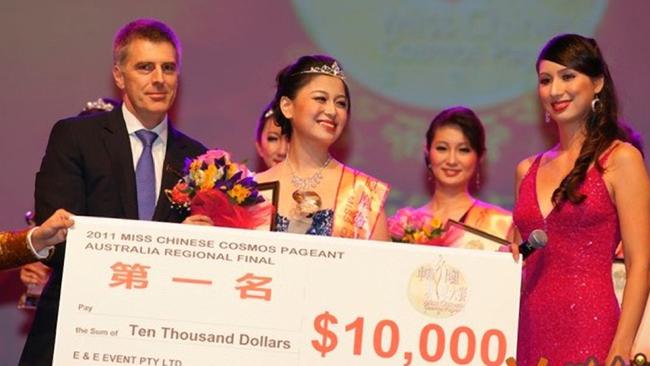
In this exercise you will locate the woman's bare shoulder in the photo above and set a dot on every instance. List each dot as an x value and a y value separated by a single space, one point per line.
492 208
524 165
624 154
269 175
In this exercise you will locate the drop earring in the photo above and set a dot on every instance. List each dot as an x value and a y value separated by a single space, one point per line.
595 104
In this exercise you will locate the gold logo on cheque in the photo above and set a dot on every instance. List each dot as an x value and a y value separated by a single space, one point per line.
438 289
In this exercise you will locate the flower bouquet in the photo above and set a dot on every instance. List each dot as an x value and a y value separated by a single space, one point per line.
224 191
418 227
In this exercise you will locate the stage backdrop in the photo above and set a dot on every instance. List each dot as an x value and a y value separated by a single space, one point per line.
405 61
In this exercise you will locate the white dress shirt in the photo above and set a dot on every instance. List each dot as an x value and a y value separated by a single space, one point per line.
157 149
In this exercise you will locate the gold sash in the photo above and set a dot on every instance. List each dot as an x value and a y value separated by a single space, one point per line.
359 201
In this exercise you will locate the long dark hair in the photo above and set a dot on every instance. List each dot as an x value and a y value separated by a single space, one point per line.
602 128
292 78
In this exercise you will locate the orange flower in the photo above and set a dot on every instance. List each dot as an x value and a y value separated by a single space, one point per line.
181 193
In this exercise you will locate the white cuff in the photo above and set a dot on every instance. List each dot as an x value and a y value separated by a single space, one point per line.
43 253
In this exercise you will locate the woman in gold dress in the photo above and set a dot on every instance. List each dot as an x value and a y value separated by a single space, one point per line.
455 147
30 245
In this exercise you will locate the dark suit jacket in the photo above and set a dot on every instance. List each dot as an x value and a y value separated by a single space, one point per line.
88 170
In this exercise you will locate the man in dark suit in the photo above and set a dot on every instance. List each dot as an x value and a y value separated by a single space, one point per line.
114 164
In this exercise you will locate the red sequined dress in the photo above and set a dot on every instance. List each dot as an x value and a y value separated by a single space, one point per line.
568 307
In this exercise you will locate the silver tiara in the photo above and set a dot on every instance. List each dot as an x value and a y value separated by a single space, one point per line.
334 70
99 104
268 113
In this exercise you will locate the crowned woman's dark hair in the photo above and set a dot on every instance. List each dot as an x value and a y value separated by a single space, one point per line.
602 126
294 77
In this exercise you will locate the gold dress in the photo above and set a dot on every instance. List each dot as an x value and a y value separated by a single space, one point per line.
491 219
14 249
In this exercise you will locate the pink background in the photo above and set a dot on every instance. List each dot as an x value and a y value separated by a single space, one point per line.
57 56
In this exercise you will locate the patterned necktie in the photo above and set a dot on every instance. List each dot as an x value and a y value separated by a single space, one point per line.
145 176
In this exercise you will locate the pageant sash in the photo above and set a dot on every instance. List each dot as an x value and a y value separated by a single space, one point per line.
359 202
147 293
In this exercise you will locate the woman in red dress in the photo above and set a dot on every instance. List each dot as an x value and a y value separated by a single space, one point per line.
587 192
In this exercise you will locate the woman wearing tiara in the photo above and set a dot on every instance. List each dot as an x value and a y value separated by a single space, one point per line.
319 195
271 142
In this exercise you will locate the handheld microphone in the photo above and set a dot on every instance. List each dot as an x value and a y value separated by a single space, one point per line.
536 240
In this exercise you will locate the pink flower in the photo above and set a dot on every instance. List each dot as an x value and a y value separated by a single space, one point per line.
418 219
446 239
416 226
400 222
395 227
245 171
211 156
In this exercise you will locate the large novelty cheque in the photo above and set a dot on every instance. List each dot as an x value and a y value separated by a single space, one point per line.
146 293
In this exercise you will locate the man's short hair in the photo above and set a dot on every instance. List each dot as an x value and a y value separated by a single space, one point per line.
148 29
